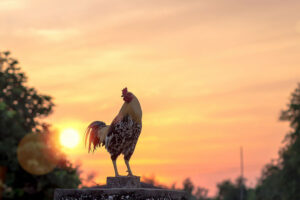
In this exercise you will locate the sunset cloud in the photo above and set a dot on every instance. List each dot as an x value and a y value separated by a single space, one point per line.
10 5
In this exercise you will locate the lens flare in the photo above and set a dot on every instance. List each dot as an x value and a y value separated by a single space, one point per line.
35 155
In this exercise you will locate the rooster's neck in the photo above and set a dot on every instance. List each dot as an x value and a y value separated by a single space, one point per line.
133 108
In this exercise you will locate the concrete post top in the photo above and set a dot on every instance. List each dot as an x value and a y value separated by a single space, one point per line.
121 188
119 194
123 182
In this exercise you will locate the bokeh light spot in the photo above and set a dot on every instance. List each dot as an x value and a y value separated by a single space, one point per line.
34 155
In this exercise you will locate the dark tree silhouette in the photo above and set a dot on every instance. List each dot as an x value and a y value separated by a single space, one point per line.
194 193
21 111
228 190
280 179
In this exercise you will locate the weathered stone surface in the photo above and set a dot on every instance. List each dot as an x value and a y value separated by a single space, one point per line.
119 194
120 188
123 182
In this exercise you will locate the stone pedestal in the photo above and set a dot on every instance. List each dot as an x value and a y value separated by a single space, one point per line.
123 182
120 188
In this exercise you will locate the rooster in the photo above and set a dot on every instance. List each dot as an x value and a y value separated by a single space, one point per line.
121 136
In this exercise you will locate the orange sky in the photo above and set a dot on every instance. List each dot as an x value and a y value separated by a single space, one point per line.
211 76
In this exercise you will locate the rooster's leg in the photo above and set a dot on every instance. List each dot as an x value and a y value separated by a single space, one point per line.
115 168
128 167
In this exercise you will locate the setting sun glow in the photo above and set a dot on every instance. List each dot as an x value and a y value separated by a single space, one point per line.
69 138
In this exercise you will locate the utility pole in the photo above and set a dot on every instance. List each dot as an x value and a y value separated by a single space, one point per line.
242 174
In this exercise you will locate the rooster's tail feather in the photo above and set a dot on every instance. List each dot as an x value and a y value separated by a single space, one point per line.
92 133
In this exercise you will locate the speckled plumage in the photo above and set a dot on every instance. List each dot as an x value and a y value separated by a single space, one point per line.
122 137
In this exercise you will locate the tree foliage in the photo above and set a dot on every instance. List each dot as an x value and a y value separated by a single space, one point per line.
194 193
228 190
21 111
281 179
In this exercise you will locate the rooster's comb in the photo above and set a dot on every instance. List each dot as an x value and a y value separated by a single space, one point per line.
124 91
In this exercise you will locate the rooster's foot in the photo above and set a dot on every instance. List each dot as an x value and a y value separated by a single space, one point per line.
130 175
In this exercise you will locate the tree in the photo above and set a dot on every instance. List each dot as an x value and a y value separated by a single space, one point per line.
188 186
281 179
201 193
198 193
21 111
232 191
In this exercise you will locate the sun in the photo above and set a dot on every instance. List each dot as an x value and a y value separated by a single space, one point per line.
69 138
